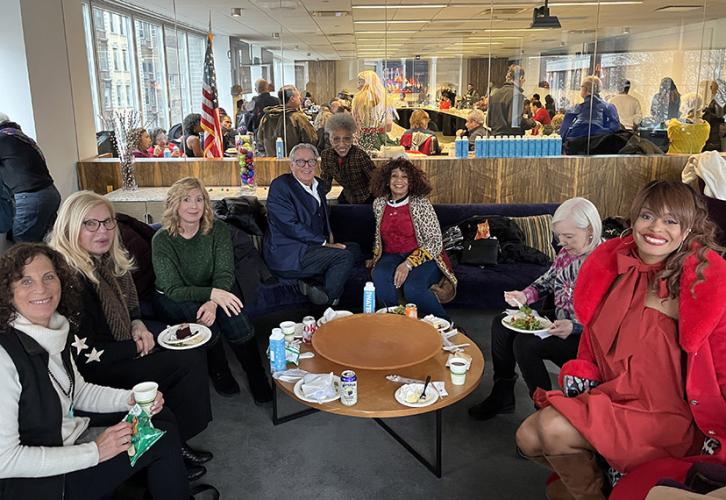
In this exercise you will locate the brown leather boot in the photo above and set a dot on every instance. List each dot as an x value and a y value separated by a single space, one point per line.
580 473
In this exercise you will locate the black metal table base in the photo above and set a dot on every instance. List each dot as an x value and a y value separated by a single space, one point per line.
434 468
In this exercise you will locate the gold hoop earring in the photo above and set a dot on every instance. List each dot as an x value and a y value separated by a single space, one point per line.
626 232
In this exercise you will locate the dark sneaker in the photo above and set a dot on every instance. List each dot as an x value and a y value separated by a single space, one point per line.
224 383
313 292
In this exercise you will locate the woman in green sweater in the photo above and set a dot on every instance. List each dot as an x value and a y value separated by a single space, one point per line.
194 268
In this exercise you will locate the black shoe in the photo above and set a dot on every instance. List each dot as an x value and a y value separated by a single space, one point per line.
195 457
194 472
224 383
249 357
313 292
500 401
204 491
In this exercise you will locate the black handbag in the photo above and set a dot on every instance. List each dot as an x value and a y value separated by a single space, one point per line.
483 252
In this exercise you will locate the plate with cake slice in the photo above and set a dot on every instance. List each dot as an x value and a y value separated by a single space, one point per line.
184 336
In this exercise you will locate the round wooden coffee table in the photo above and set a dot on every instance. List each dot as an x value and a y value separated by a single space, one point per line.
376 393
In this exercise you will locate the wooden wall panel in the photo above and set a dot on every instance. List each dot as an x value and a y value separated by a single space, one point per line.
321 84
479 73
608 181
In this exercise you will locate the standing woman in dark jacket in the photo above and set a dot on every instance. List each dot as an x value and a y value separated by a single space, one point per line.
25 173
86 235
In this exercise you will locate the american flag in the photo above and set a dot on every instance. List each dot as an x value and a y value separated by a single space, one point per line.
210 105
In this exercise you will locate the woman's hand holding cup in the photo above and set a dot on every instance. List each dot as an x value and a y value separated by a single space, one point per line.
148 396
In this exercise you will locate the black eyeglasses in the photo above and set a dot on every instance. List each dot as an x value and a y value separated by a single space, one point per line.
92 225
309 163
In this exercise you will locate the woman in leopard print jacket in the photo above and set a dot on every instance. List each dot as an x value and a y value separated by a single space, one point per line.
408 255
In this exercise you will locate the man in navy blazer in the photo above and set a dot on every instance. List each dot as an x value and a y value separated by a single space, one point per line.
299 242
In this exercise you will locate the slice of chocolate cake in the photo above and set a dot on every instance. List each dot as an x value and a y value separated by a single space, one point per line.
183 332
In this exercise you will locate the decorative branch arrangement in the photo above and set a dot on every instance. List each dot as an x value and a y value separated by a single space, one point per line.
127 127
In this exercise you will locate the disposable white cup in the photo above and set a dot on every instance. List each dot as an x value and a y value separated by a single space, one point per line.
288 330
145 394
458 367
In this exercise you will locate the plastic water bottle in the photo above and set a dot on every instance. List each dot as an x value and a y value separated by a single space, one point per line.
486 147
369 298
278 362
538 147
167 153
479 147
279 148
558 145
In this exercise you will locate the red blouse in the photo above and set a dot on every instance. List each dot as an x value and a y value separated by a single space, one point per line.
397 230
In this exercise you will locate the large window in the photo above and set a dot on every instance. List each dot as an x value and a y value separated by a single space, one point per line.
138 62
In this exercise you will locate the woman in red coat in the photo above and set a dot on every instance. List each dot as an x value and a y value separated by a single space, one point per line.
653 308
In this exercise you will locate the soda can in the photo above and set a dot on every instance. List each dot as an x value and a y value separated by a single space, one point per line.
309 328
348 388
411 311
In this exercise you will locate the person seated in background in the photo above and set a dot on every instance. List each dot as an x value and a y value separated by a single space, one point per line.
550 106
338 106
540 115
576 224
286 121
240 121
85 233
419 137
160 143
445 102
689 134
557 120
345 162
474 127
471 96
592 117
192 129
24 172
141 141
228 133
299 242
714 114
194 267
666 104
408 254
628 107
482 104
48 450
506 106
648 379
319 125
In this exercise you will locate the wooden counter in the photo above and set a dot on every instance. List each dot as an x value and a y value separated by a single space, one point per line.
608 181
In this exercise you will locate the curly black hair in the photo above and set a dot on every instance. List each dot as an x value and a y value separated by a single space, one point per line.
12 265
418 184
191 122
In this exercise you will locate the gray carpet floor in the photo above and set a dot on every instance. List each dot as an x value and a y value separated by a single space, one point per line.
324 456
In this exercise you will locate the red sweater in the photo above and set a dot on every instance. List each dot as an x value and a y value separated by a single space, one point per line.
397 230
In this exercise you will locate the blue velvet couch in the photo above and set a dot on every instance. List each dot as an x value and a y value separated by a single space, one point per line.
478 288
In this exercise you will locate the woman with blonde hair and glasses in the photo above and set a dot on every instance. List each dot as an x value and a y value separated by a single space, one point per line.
194 268
114 346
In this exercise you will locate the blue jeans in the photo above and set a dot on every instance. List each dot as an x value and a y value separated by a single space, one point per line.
333 264
416 288
35 214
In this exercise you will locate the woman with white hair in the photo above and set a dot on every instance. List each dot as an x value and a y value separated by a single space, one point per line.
577 225
689 134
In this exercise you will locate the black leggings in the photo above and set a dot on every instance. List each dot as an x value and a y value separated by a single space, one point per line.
510 348
166 476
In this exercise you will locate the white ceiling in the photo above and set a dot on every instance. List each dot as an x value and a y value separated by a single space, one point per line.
460 27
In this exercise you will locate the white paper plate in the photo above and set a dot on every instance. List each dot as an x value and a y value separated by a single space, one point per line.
432 395
438 323
546 324
338 315
299 393
198 330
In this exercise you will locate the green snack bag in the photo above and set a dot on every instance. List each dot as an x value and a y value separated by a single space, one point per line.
143 436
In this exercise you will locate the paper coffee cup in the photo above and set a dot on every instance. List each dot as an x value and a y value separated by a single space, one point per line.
145 394
458 367
288 330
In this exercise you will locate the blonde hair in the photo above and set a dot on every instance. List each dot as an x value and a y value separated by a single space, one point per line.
478 116
170 220
66 234
369 103
583 213
419 119
592 84
691 105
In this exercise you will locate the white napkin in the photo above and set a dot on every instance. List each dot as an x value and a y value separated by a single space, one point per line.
318 386
441 387
328 315
291 375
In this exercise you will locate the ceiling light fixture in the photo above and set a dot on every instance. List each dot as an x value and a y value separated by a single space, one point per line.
385 31
678 8
409 6
393 22
236 11
601 4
